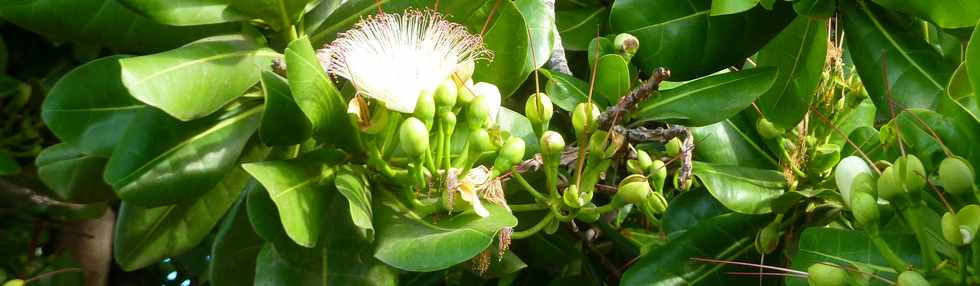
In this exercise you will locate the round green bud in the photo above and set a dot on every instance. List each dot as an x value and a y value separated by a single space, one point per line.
538 108
413 137
633 166
912 172
552 144
626 43
634 189
911 278
824 158
674 147
887 136
865 183
465 93
864 206
767 129
449 120
827 274
889 184
580 117
425 109
464 70
968 218
657 202
767 239
571 197
479 140
658 175
446 94
510 154
956 175
14 282
951 229
847 169
644 159
478 112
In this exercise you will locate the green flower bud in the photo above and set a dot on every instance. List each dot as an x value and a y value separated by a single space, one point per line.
969 219
951 229
478 112
425 109
827 274
633 166
824 159
864 183
658 175
912 172
911 278
644 159
889 184
626 43
657 202
767 239
480 140
413 137
538 113
674 147
864 206
571 197
464 70
956 175
552 144
446 94
767 129
510 154
14 282
465 93
580 117
449 120
847 170
634 189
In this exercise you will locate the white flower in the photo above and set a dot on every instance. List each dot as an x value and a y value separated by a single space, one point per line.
492 95
395 57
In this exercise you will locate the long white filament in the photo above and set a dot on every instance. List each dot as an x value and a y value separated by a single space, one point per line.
395 57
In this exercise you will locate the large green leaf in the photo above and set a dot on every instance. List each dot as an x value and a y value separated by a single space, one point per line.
689 209
235 248
352 11
722 237
860 114
612 79
283 123
707 100
272 270
972 60
741 189
352 183
885 45
264 217
725 7
868 140
144 236
945 13
959 136
578 26
507 37
567 91
160 160
851 248
72 175
322 103
102 23
298 187
410 243
731 142
961 92
184 12
90 108
540 21
799 52
681 36
279 14
197 79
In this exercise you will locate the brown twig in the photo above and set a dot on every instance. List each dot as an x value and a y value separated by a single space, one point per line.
626 104
35 198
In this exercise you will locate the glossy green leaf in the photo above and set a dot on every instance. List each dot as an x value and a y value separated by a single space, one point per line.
272 270
144 236
316 95
353 184
540 21
298 187
352 11
507 37
851 248
707 100
799 52
72 175
855 116
266 222
732 142
317 15
184 12
172 80
681 36
344 243
722 237
517 125
90 108
578 26
883 46
613 77
279 14
160 160
410 243
236 247
961 91
958 135
945 13
869 141
101 22
815 8
973 60
689 209
283 123
741 189
567 91
725 7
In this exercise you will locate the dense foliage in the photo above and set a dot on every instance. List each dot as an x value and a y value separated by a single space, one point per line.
479 142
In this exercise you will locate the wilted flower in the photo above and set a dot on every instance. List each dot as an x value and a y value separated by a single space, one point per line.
395 57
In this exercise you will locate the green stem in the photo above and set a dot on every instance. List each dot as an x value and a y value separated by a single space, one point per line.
975 247
929 256
893 259
964 260
528 207
527 186
289 34
534 229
